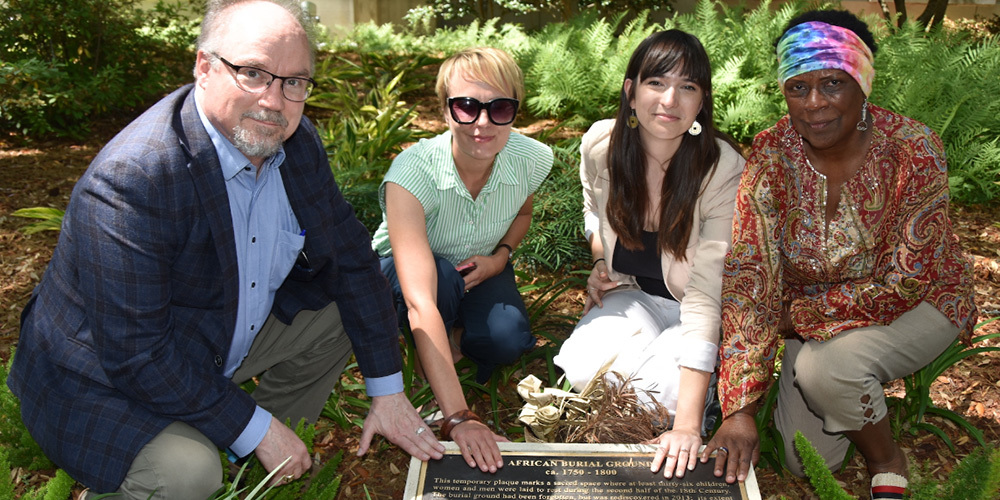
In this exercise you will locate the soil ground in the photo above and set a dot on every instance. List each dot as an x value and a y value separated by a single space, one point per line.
43 174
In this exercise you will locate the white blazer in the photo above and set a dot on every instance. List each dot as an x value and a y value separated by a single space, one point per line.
695 282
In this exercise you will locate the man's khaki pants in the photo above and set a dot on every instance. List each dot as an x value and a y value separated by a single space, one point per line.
298 366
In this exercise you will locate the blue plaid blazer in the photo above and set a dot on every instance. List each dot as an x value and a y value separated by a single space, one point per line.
130 326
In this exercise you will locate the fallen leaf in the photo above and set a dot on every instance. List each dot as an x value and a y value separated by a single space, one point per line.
395 470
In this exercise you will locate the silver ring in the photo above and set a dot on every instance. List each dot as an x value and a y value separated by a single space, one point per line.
684 450
420 430
722 449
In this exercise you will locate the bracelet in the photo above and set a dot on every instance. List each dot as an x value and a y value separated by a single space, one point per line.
455 419
596 261
510 251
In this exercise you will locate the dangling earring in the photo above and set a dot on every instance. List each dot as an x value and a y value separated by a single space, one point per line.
863 124
695 128
633 121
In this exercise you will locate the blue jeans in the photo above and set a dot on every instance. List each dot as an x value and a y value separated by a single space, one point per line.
492 313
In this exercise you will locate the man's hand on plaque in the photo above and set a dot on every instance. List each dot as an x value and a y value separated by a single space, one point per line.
680 449
479 445
394 417
736 444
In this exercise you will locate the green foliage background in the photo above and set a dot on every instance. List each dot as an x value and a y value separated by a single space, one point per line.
573 72
65 63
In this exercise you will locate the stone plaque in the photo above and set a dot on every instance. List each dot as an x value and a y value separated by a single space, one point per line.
549 471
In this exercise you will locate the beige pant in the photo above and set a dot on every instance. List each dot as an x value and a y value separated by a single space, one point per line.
298 364
823 398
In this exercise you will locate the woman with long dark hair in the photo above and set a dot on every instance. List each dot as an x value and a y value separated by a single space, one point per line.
658 184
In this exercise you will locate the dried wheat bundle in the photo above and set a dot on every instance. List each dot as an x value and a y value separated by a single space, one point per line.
618 416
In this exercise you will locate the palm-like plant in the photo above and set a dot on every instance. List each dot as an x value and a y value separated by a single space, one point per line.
909 412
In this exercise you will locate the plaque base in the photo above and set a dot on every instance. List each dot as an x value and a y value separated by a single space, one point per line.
568 471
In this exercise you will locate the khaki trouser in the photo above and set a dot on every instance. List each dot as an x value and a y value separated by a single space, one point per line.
824 397
298 366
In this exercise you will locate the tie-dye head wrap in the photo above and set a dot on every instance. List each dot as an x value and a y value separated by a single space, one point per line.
817 45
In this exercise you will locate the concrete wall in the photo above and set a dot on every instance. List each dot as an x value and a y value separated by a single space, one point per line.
343 14
981 8
383 11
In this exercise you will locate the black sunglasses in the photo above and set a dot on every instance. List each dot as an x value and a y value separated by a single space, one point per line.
500 111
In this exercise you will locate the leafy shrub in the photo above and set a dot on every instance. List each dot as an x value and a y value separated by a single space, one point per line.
976 477
815 468
105 55
368 128
509 37
946 80
949 83
6 485
22 450
561 9
28 91
575 70
555 240
740 45
369 38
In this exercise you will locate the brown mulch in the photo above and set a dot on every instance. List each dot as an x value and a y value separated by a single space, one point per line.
43 174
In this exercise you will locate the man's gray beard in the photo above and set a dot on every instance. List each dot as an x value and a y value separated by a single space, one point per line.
255 144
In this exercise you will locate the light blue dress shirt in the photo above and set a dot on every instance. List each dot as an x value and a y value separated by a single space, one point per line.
268 241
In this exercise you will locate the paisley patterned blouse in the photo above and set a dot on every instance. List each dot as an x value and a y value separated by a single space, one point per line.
889 247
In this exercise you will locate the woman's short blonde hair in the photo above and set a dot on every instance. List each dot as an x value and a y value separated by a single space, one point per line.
491 66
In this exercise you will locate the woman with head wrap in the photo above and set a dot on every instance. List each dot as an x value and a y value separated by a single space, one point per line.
843 247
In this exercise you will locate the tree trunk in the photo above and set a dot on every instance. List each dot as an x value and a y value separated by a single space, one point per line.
901 11
933 14
886 14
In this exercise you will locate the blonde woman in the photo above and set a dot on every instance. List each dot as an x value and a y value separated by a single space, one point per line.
454 209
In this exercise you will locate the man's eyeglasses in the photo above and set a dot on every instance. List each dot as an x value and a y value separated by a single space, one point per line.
256 80
466 110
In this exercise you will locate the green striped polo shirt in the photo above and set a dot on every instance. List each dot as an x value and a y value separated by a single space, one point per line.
459 227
